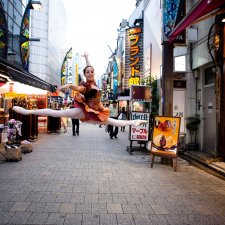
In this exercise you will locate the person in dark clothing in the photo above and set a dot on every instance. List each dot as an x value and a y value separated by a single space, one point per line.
75 125
113 130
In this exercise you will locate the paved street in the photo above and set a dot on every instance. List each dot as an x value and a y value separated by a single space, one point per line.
91 179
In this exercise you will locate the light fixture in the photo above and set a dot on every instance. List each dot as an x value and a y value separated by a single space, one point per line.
35 5
34 39
223 20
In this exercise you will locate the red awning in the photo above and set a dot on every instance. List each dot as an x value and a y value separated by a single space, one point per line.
200 9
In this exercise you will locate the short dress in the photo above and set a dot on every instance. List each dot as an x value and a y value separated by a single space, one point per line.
90 103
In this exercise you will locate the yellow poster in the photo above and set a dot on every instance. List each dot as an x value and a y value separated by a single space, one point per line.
165 134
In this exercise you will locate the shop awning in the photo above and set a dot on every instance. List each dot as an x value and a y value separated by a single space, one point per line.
200 9
16 73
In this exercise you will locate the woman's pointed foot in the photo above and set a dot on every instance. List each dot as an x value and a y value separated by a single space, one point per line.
139 122
21 110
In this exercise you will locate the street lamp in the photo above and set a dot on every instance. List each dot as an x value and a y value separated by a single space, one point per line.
25 33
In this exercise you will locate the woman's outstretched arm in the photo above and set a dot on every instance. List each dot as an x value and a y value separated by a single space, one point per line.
87 59
71 86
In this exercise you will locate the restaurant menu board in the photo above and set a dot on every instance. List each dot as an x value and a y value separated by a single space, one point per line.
165 134
141 132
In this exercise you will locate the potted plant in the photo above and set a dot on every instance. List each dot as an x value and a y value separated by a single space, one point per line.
192 125
12 146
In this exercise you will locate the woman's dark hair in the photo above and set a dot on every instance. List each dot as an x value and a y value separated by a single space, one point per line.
84 70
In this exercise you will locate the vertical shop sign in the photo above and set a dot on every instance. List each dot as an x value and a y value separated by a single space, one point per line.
69 72
133 56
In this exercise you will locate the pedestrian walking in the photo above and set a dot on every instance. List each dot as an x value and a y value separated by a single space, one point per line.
75 125
113 130
87 105
123 116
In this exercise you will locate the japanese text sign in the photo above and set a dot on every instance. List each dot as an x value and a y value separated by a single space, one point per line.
141 132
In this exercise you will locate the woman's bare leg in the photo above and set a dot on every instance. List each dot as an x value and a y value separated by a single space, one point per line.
122 123
75 113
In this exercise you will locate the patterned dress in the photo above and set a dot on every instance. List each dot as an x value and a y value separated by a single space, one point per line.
90 103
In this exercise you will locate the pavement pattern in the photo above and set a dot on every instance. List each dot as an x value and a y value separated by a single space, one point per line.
92 180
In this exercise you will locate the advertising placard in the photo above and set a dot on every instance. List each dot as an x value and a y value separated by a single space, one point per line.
165 135
141 132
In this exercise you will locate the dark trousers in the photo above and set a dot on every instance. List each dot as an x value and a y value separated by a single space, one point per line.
75 126
113 131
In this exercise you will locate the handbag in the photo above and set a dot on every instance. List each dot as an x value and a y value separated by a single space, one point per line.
120 117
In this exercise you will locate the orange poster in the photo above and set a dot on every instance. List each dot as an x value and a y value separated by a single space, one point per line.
165 134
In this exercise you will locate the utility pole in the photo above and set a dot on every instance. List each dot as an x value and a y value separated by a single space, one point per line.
167 79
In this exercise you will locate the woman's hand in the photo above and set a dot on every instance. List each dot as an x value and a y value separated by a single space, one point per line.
85 55
62 88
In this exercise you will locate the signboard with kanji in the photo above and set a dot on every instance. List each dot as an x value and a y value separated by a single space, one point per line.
141 132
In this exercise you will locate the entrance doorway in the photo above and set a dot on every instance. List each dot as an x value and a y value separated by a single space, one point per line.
209 112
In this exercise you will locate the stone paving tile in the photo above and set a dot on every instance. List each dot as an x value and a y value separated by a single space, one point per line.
6 206
5 196
105 198
145 209
108 219
20 206
83 208
142 219
34 197
5 217
77 197
52 207
130 208
91 219
20 197
91 198
67 208
36 207
114 208
125 219
98 208
56 219
63 197
73 219
19 218
38 218
159 220
119 199
48 197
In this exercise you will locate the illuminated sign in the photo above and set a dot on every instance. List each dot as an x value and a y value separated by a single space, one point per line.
133 56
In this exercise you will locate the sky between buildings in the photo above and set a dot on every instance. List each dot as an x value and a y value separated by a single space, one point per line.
92 26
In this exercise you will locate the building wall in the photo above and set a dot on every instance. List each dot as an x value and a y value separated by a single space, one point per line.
152 36
46 56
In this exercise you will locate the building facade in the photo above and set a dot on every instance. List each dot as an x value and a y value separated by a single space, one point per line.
49 25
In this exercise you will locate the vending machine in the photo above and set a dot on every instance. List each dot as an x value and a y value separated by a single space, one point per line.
140 106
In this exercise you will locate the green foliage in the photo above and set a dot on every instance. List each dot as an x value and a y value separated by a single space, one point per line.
152 82
192 125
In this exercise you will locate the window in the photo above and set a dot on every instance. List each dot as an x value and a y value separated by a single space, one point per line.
210 74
